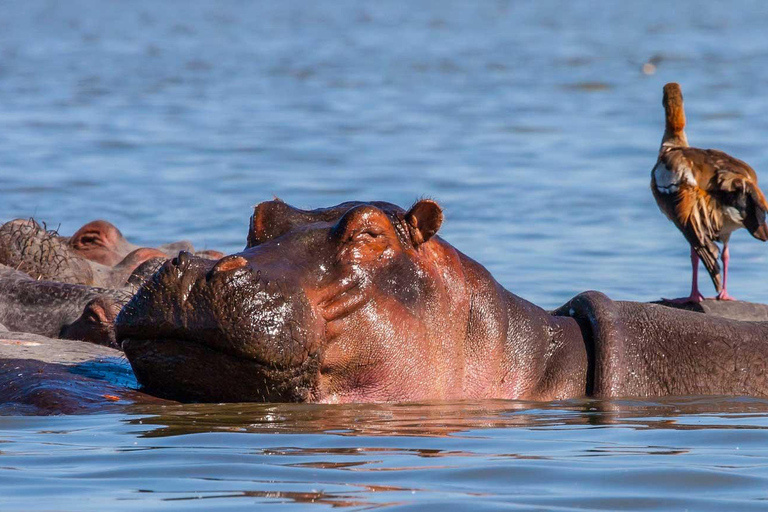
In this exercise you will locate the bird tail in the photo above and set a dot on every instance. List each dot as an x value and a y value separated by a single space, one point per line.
757 207
708 253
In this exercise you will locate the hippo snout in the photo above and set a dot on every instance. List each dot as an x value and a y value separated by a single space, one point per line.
227 306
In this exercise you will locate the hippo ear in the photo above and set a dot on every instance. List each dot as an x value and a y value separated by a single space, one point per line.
100 311
424 219
272 219
255 230
263 221
96 311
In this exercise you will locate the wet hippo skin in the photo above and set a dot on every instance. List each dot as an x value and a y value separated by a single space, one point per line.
649 350
102 242
735 310
39 375
363 302
97 255
59 310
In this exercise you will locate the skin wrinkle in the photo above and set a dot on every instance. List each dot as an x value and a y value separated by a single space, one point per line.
345 303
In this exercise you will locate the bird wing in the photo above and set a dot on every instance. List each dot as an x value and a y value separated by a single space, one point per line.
692 208
735 185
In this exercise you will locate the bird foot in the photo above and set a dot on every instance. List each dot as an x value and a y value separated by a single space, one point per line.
692 298
725 296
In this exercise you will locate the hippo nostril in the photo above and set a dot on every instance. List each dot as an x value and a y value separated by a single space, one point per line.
229 263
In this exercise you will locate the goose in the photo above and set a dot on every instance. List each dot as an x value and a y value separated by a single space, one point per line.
707 194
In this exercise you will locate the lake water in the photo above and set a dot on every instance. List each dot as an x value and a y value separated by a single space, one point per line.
534 124
673 454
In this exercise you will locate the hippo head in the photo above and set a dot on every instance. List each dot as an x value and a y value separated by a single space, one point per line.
355 302
100 241
96 324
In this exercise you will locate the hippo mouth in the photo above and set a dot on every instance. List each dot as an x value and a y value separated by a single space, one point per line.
190 371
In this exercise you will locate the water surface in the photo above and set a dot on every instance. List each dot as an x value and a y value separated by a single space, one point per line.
685 453
534 124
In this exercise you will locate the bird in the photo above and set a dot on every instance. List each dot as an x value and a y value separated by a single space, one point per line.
707 194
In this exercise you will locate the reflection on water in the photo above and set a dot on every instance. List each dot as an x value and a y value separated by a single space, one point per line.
699 453
438 419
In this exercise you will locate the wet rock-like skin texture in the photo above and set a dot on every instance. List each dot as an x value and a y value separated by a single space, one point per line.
647 350
363 302
29 247
59 310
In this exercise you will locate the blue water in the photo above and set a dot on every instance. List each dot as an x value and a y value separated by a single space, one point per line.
673 454
534 124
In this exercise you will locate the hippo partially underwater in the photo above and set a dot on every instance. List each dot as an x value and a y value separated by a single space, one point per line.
364 302
73 287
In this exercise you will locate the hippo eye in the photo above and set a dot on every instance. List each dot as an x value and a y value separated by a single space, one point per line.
368 234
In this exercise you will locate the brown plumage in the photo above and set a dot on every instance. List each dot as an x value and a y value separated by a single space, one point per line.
707 194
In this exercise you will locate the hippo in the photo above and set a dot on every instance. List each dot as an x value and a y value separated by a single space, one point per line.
100 241
364 302
59 310
41 375
29 247
33 249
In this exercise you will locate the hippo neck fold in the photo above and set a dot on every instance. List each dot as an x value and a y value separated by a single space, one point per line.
518 350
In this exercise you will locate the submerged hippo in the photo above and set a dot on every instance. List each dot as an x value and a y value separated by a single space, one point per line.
363 302
40 375
102 242
97 254
29 247
59 310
